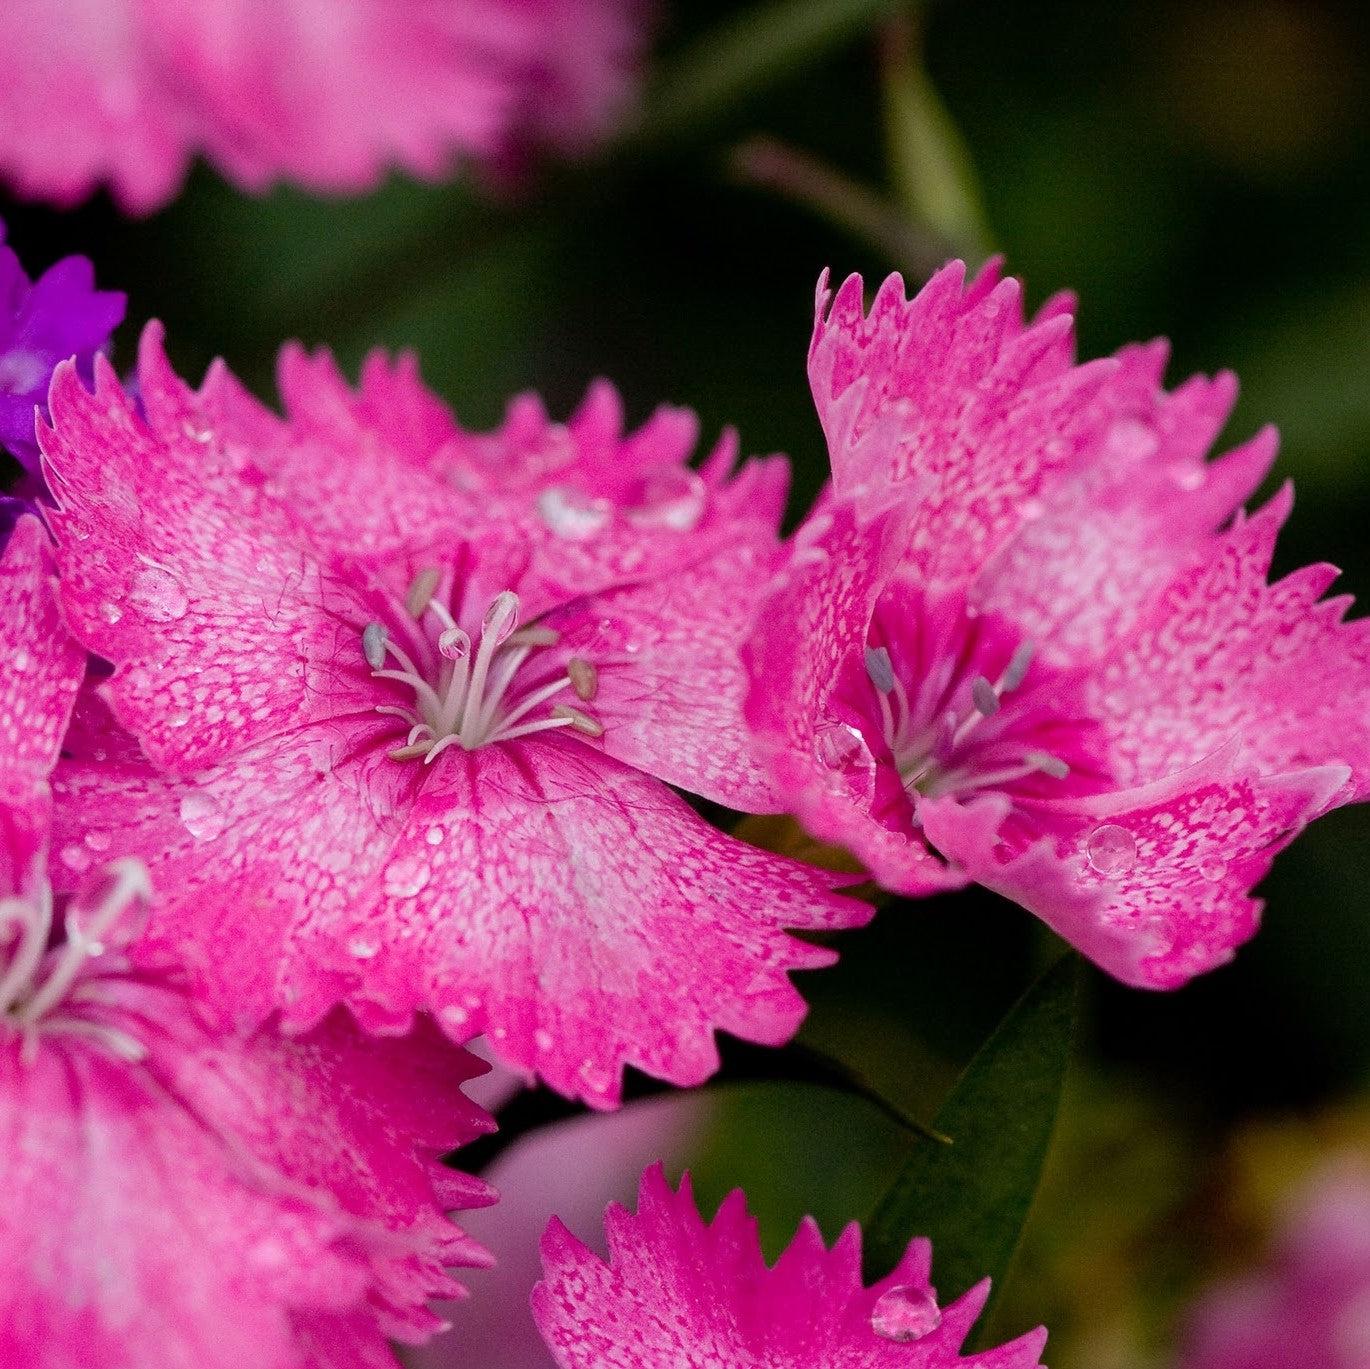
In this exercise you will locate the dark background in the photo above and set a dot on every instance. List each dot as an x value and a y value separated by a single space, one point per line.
1199 170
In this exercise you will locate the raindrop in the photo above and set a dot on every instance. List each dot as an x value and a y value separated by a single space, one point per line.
158 595
201 814
77 857
453 1017
905 1314
838 746
543 1040
111 613
571 514
671 497
454 644
1112 850
502 617
435 836
97 840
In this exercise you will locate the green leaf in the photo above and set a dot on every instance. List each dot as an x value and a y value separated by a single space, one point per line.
745 53
972 1197
931 168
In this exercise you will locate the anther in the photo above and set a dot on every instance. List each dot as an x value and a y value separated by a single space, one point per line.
984 697
411 752
584 678
534 635
421 591
1017 668
880 668
581 722
373 645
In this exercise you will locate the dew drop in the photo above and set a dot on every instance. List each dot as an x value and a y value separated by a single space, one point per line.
202 816
158 595
905 1314
405 878
111 613
543 1040
77 857
454 644
177 719
671 497
1112 850
453 1018
1213 868
571 514
435 836
97 840
502 617
838 746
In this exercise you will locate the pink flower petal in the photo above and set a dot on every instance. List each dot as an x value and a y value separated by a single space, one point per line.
679 1291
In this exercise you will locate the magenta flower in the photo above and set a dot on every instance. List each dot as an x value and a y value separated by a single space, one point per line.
328 95
423 771
679 1292
1029 639
173 1194
42 322
1311 1305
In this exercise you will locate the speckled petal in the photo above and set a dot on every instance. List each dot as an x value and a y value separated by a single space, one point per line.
679 1293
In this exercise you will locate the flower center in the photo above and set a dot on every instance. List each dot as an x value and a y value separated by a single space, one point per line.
42 987
953 747
472 694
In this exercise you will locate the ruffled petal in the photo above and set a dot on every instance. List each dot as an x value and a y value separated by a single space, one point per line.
677 1290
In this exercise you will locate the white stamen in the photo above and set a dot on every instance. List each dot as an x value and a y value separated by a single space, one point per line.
468 694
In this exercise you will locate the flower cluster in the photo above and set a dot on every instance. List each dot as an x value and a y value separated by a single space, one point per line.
336 738
329 95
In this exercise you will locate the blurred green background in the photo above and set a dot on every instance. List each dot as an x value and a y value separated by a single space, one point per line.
1198 169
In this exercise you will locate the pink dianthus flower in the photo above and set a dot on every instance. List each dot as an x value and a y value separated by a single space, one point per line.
1310 1307
401 707
329 94
176 1195
1028 639
677 1292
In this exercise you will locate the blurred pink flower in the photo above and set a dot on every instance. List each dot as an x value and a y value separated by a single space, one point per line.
678 1291
390 752
325 93
1027 638
1310 1307
175 1195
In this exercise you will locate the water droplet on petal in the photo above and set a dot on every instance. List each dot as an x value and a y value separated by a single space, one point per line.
671 497
572 514
838 746
405 878
435 836
158 595
97 840
543 1040
77 857
454 644
1112 850
905 1314
1188 475
454 1018
1212 868
201 814
111 613
502 617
